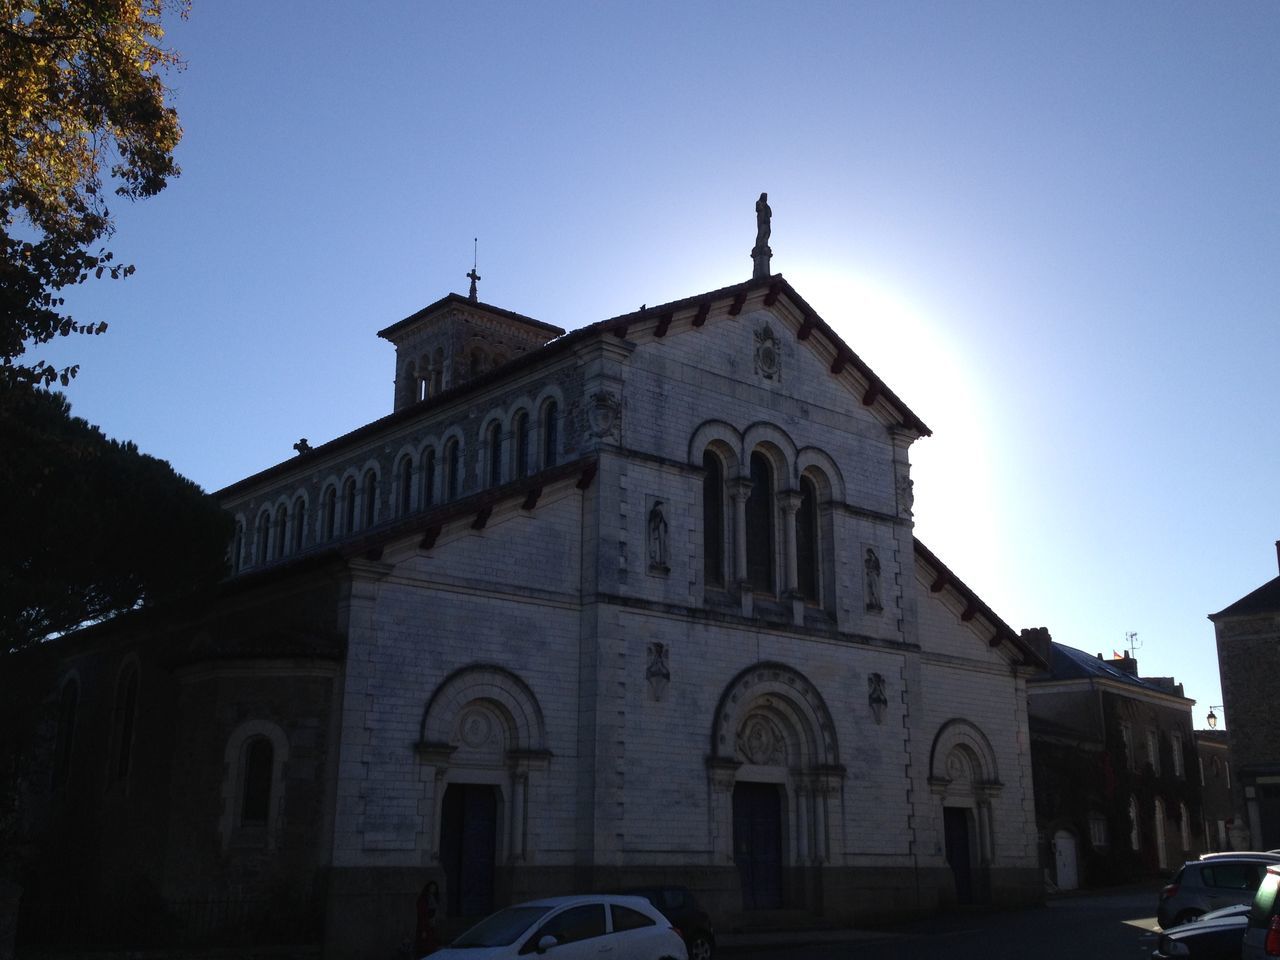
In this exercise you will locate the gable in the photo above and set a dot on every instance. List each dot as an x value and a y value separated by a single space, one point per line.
783 329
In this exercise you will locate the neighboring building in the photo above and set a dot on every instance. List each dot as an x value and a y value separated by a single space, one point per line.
1215 787
641 602
1116 771
1248 637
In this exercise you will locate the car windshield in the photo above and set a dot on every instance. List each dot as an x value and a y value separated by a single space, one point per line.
502 928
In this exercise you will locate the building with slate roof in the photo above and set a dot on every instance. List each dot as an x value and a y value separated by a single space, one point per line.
1117 775
641 602
1248 639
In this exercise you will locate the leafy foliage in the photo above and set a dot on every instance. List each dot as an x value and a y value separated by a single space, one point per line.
92 527
80 90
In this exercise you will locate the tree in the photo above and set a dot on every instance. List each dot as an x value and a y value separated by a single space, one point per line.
81 90
92 527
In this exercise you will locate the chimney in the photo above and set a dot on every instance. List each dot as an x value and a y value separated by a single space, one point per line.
1038 639
1126 662
1278 553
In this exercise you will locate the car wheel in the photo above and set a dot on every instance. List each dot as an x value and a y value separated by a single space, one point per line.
1186 916
699 949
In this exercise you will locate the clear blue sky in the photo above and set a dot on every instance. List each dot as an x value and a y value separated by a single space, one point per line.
1053 228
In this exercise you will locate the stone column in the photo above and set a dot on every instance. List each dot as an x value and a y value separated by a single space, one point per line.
722 773
802 823
740 489
789 503
518 788
820 824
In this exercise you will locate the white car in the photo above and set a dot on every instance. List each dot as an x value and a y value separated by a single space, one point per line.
570 928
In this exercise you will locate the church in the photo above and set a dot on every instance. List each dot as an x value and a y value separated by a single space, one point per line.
638 602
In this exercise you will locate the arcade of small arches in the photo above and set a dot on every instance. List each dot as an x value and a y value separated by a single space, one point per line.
766 513
512 445
432 374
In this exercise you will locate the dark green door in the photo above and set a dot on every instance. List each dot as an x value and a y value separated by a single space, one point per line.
468 848
955 825
757 844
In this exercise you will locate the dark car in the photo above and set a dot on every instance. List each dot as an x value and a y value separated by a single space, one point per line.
1204 885
679 906
1262 932
1214 936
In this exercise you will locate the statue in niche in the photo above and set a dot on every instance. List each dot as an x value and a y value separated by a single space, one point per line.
658 538
871 567
658 673
876 696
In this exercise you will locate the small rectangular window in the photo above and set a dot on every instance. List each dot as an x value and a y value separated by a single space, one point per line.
1098 831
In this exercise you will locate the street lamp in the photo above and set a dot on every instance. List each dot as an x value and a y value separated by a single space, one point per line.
1212 718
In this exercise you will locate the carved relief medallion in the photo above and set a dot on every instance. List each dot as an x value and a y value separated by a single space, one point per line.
768 353
658 672
876 696
760 741
604 415
476 727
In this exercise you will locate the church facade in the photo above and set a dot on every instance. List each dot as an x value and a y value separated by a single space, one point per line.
641 602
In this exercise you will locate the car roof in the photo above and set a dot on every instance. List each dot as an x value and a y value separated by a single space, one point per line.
576 898
1249 855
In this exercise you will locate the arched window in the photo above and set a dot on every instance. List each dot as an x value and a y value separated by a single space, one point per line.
299 523
428 477
713 519
807 540
349 505
479 362
254 785
126 710
329 513
237 548
550 433
520 432
405 502
495 453
408 386
452 466
277 535
259 769
370 498
62 747
437 372
760 540
264 538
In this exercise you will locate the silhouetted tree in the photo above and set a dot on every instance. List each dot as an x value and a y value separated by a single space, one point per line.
91 527
81 89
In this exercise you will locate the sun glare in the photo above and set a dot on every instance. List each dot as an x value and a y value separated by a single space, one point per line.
911 348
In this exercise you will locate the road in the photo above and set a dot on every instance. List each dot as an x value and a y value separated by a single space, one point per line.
1101 926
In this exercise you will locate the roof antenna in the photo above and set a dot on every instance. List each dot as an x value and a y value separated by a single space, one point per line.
473 276
1131 641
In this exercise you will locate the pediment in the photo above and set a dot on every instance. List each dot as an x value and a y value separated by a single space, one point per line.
778 317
